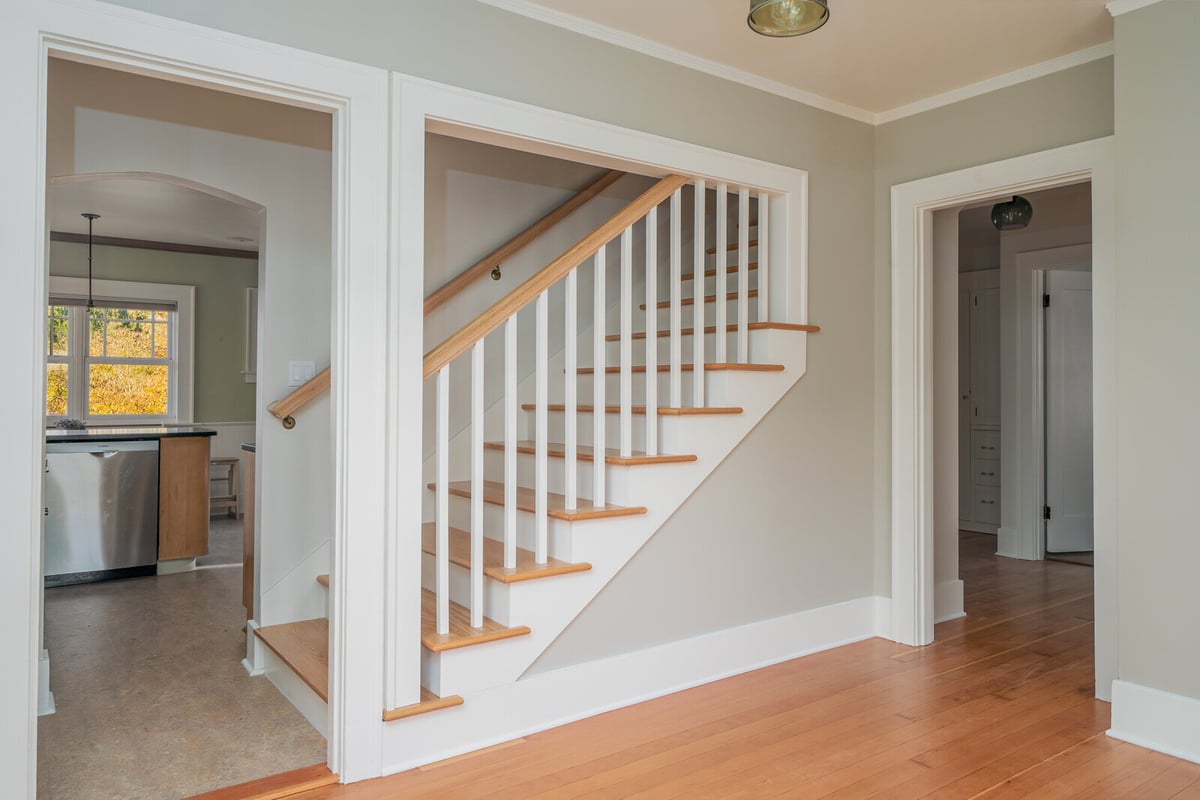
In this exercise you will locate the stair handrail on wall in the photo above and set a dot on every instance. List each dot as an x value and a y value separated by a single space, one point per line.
535 290
494 259
301 396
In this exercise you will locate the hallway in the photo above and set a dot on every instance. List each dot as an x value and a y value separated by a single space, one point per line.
1000 706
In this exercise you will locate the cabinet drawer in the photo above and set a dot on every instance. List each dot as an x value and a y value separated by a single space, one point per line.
985 473
987 504
985 444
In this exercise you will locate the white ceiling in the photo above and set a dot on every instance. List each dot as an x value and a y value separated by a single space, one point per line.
873 58
151 208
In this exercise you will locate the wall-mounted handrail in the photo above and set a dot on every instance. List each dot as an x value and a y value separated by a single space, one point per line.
514 245
549 275
284 408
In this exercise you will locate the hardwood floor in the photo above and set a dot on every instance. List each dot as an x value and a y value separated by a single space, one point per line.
1000 706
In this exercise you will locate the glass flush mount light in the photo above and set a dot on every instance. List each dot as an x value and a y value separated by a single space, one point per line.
787 17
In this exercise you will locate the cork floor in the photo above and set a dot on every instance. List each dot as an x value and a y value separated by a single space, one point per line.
152 699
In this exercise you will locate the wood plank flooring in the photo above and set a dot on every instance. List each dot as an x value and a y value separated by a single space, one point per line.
1000 706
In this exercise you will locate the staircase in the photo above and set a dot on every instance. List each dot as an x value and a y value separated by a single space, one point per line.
541 497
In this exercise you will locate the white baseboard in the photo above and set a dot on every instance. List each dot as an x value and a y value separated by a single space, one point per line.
948 601
298 693
549 699
1162 721
174 566
45 696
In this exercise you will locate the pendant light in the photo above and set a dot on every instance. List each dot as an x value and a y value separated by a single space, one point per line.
90 217
781 18
1013 215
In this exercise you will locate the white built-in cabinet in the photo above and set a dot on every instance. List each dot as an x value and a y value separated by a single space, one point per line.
979 400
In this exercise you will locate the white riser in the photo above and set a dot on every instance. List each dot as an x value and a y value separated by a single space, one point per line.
663 348
716 388
619 480
559 532
671 429
710 314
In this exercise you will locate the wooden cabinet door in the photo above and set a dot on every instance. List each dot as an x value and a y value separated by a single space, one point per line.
182 497
985 358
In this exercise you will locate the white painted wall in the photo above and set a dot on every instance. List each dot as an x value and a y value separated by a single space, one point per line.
295 470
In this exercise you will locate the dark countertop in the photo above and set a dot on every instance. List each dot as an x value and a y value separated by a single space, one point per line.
249 447
130 433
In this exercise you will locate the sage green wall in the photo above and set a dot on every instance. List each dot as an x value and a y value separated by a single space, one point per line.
1074 105
805 472
221 394
1158 283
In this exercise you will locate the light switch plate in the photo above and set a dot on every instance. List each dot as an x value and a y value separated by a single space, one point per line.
301 372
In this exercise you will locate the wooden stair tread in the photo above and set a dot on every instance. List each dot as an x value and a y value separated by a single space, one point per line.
274 787
641 410
323 580
583 452
723 366
461 633
712 273
730 328
712 251
493 493
429 702
493 557
708 298
303 646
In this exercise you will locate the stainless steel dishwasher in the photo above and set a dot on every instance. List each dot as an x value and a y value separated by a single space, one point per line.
101 510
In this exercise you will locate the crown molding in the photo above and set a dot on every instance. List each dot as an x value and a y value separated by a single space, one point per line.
660 51
1118 7
629 41
1093 53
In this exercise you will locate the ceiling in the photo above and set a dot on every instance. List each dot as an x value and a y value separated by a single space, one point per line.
872 57
152 208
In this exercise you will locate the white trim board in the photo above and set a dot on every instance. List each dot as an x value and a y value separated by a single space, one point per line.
654 49
556 698
1162 721
1118 7
912 207
948 601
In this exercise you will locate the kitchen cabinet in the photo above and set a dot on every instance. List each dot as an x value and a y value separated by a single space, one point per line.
183 497
979 411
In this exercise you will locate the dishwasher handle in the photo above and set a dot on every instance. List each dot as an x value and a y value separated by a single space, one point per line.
103 453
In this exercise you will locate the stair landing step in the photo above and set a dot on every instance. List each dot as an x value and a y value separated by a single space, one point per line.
493 557
724 366
730 328
708 298
583 452
303 646
461 633
732 269
663 411
429 702
712 251
275 787
493 493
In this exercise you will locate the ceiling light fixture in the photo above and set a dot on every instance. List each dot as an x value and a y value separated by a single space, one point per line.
90 217
1013 215
780 18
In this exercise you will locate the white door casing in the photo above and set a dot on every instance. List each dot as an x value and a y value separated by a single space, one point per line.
1068 420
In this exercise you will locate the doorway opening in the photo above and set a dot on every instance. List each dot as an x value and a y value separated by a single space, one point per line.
191 275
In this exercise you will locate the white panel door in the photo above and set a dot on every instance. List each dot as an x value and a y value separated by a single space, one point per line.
965 478
1068 362
985 357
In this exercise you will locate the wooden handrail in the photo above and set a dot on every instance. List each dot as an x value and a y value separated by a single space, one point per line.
549 275
514 245
284 408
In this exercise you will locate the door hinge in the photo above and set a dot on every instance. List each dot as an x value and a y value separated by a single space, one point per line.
1045 301
1045 512
976 299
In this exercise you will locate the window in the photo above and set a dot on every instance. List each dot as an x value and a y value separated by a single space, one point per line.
126 359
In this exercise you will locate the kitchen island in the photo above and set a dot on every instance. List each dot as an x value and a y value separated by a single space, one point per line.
128 500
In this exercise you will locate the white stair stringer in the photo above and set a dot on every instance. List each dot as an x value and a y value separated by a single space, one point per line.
548 606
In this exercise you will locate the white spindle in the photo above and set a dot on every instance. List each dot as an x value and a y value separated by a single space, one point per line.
510 442
743 278
764 271
477 485
442 545
626 349
571 388
676 302
720 261
598 365
652 332
698 289
541 389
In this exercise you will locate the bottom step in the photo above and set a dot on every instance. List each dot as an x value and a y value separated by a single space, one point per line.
286 784
303 646
429 702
